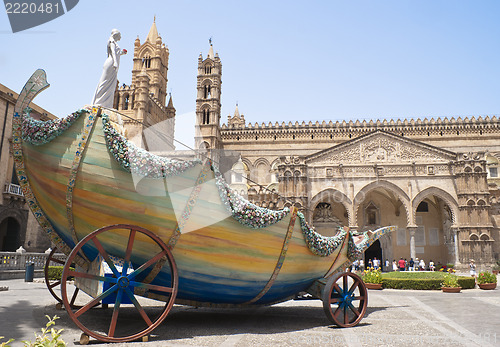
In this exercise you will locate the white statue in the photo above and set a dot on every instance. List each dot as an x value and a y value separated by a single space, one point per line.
105 91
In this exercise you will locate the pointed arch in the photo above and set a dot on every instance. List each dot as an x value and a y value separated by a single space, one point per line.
443 195
391 187
335 195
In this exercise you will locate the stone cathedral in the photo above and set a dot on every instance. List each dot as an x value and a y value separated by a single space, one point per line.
437 180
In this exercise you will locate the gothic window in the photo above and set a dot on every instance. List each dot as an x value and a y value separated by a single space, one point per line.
206 117
371 214
127 101
207 92
14 177
146 61
208 69
493 171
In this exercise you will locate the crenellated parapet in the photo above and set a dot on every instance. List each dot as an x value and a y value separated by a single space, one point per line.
344 130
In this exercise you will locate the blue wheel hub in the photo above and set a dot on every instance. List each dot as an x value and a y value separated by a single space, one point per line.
123 282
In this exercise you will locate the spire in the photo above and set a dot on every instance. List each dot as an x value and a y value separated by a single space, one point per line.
170 102
153 32
236 111
211 50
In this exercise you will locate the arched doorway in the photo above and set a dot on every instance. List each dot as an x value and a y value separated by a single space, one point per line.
374 251
10 235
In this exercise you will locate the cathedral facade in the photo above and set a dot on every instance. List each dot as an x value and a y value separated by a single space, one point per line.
437 180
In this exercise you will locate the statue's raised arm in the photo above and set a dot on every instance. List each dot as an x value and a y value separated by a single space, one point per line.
105 91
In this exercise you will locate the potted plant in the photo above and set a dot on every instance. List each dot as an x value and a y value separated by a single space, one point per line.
372 278
450 284
486 280
496 268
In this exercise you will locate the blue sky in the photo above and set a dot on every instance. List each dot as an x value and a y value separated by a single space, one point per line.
282 60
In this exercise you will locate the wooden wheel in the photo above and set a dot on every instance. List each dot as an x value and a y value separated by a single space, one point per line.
145 256
54 285
345 299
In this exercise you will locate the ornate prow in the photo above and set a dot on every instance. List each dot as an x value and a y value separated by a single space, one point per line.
36 83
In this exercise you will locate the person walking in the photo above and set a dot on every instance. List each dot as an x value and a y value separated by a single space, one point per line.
401 264
394 265
472 268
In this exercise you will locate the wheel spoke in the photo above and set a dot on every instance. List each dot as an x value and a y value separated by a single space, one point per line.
73 298
346 316
55 284
361 297
128 252
93 302
334 300
105 256
337 312
344 284
355 310
114 318
146 265
55 260
337 288
150 287
353 287
92 277
138 307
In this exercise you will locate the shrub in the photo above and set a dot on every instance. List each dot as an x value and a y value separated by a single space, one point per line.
422 280
450 280
412 283
486 277
45 340
466 282
55 272
372 276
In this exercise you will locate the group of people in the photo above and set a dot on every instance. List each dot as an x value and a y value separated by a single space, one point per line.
376 264
412 265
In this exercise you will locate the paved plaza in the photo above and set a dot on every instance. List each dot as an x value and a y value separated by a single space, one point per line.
394 318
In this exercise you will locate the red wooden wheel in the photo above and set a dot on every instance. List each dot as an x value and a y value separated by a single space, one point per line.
345 299
145 256
54 285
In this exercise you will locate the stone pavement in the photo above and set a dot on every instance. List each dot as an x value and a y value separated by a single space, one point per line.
394 318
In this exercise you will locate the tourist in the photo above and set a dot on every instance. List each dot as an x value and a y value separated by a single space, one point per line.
361 265
431 265
394 265
472 267
422 265
401 264
406 264
376 263
387 265
412 265
370 264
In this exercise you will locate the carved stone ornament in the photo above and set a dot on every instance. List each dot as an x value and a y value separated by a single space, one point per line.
381 148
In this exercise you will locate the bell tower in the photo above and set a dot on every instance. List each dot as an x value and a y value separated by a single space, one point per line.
153 56
208 105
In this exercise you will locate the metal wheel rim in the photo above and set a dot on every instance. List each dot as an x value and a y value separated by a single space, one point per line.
165 251
338 299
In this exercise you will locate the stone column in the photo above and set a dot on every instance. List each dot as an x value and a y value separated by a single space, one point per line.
454 231
413 252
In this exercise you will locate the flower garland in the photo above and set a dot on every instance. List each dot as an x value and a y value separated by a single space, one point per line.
317 243
354 251
139 161
38 132
244 211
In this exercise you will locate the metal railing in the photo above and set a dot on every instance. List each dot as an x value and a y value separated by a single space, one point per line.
17 261
13 189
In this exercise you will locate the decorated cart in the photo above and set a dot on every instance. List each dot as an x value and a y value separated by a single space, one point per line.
137 227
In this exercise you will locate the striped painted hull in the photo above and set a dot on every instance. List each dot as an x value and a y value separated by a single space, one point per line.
219 260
